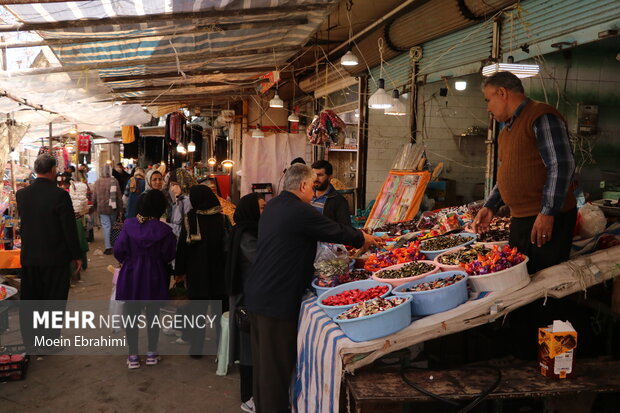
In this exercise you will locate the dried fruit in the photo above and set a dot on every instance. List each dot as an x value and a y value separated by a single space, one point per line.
355 296
465 255
443 243
435 284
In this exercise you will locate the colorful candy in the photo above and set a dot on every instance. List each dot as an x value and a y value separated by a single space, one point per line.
371 307
433 285
465 255
355 296
395 256
498 259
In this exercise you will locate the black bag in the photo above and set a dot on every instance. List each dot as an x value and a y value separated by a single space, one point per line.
242 318
115 231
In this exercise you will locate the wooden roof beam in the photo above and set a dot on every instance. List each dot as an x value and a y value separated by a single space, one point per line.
213 28
121 90
198 15
239 71
155 60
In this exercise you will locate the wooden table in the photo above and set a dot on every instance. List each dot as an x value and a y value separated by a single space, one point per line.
519 380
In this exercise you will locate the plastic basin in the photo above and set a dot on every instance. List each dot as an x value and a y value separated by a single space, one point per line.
319 290
431 255
377 325
435 301
363 285
445 267
395 282
516 276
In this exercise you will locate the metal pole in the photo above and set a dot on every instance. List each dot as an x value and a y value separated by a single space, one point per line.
489 175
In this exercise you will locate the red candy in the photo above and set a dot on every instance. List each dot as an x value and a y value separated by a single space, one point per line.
355 296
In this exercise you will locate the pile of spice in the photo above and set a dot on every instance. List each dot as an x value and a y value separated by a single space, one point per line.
355 296
406 271
433 285
444 243
499 230
371 307
465 255
498 259
380 260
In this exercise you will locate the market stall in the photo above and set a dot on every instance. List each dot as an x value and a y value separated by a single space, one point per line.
325 354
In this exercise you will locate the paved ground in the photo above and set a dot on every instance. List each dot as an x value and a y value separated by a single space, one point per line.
104 384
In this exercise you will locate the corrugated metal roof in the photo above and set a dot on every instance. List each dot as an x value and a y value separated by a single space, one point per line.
539 20
172 46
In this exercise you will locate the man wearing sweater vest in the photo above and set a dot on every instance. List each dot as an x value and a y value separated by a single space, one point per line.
535 171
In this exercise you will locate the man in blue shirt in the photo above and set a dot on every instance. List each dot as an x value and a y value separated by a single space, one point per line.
326 199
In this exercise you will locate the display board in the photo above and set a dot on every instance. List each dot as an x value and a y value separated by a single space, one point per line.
399 198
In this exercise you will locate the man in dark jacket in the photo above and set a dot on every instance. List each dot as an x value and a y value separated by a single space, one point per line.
288 232
326 199
49 240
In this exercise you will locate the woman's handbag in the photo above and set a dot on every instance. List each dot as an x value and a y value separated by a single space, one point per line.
116 229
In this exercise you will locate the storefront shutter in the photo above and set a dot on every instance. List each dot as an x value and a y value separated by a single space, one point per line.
396 72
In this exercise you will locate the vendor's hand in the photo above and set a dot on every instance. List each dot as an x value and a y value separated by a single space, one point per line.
370 240
179 278
78 266
542 229
482 221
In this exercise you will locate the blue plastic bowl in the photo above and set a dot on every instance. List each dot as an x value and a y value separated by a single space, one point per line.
377 325
363 285
430 255
319 290
435 301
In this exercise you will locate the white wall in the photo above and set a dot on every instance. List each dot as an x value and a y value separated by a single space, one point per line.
442 120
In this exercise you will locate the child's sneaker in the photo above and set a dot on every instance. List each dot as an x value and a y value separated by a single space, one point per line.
133 362
152 358
248 406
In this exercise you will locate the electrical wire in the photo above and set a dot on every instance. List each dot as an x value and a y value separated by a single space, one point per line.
469 406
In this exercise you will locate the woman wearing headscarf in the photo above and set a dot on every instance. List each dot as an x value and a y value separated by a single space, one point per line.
154 180
241 252
134 188
144 247
200 257
107 201
179 184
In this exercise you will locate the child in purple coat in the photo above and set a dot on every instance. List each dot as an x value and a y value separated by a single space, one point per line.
144 248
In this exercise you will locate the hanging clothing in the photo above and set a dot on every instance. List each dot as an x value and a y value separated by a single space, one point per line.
135 187
127 134
131 148
83 144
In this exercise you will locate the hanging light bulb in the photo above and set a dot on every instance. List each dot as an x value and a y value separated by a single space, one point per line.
293 118
73 130
380 99
228 163
191 147
211 161
397 109
14 156
181 148
69 148
460 85
276 102
349 59
258 133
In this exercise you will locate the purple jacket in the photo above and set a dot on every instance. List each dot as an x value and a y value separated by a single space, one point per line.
144 250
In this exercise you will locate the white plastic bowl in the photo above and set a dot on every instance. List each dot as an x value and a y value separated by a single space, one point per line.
516 276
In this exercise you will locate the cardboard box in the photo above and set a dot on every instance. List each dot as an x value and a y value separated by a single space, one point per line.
556 349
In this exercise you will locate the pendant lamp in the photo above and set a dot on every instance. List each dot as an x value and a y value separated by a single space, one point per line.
398 108
349 59
181 148
380 99
191 147
258 133
276 102
293 117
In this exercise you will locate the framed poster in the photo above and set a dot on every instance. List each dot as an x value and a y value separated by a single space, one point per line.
399 198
